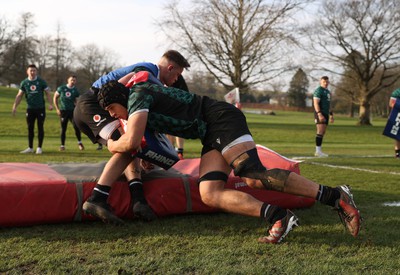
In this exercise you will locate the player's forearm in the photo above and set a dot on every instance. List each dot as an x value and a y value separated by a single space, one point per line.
123 145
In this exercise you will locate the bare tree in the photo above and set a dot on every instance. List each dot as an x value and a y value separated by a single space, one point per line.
203 83
363 37
43 54
240 42
93 62
61 52
4 42
22 49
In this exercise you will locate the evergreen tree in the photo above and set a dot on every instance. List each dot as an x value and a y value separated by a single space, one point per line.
297 92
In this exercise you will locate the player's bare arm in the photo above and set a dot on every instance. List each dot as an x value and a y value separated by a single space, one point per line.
132 139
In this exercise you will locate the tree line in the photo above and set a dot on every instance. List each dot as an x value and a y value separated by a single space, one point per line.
54 56
243 43
249 44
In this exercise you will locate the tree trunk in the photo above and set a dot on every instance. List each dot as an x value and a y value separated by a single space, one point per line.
365 112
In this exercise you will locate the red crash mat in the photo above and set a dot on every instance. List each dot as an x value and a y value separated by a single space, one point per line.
33 193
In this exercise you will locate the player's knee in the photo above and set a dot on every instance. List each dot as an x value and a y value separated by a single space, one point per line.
210 186
253 183
209 198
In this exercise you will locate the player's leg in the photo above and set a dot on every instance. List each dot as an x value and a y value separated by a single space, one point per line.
77 131
214 172
64 125
180 142
30 122
96 205
40 123
246 164
321 129
141 208
397 148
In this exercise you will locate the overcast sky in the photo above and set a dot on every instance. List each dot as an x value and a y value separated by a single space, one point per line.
127 27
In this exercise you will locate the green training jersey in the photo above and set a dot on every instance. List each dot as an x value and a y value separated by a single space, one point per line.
324 96
34 91
171 111
67 97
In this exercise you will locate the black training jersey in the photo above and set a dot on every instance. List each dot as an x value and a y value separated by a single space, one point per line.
89 116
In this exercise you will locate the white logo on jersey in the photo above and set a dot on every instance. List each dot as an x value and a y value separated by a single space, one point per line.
218 141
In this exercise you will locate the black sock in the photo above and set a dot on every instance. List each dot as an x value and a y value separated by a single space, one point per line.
272 213
137 192
179 150
100 193
397 153
318 140
327 195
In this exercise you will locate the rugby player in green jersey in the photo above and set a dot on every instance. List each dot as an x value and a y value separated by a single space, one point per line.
34 87
322 113
64 100
227 144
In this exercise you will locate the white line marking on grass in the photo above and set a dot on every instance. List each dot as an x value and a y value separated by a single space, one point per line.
354 168
347 156
395 203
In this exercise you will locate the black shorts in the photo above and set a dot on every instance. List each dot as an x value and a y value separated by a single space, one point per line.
225 123
67 114
316 120
90 117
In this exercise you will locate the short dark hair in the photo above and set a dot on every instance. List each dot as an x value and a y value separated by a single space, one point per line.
325 77
176 57
32 66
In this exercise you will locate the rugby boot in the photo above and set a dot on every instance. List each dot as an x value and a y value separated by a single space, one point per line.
101 210
347 210
81 147
144 212
27 151
321 155
280 229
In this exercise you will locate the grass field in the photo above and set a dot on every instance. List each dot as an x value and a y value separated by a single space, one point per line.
221 243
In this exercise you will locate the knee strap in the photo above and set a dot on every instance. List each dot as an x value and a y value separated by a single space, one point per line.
214 175
248 165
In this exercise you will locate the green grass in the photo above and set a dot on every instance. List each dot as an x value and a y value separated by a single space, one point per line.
221 243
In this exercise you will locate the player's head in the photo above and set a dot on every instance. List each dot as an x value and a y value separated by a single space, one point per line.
113 97
324 81
113 92
31 71
171 65
71 80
